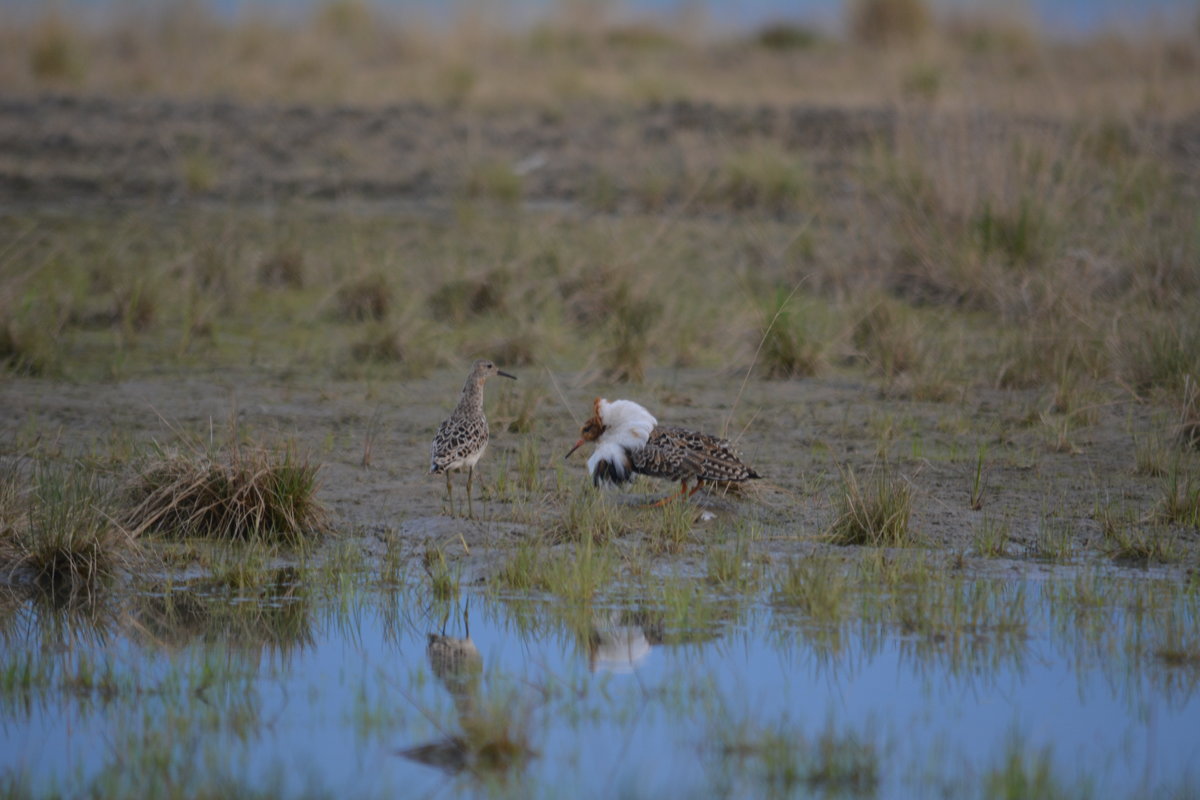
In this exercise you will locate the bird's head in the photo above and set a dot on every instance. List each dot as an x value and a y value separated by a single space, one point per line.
592 430
484 369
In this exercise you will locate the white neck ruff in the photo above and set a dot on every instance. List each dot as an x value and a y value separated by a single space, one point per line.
627 426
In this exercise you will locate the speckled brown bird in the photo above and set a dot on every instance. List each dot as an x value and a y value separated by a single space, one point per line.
461 439
629 441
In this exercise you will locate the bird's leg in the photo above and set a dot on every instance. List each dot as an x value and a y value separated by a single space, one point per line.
695 488
683 492
470 475
449 494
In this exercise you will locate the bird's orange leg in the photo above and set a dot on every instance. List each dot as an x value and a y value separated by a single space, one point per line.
683 492
695 488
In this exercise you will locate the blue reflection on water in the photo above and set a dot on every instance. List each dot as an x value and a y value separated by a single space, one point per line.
617 709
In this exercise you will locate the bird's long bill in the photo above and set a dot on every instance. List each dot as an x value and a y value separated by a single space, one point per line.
506 375
578 445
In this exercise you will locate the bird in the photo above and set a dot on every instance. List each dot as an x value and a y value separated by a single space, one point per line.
457 664
629 441
463 436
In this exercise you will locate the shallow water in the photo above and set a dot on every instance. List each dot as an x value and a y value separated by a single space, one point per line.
300 689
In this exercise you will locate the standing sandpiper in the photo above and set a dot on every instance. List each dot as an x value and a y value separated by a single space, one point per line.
462 438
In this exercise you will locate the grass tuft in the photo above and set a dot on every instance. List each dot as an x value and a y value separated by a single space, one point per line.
368 297
887 337
1180 497
283 268
380 344
56 55
889 22
1188 428
574 572
496 181
590 516
463 299
1155 354
1052 542
790 347
633 319
243 493
443 581
1127 543
764 179
876 515
62 533
669 528
991 538
786 36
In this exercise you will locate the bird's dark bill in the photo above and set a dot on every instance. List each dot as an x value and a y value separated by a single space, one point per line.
505 375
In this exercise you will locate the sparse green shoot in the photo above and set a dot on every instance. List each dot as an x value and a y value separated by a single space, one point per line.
991 537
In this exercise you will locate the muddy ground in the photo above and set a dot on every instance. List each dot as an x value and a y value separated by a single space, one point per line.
800 434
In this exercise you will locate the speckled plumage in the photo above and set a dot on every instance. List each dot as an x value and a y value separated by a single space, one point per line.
679 454
462 437
630 442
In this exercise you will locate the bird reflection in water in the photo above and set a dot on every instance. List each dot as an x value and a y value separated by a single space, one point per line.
494 731
614 646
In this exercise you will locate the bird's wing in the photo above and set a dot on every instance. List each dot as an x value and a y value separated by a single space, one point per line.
455 440
717 459
665 457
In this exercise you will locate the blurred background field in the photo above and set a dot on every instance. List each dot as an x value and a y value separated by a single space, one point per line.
595 184
1038 57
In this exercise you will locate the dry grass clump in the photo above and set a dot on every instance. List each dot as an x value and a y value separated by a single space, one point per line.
380 344
887 337
61 533
1159 352
463 299
1180 497
876 515
282 268
1188 429
629 336
764 178
56 55
791 346
496 181
783 36
243 493
368 297
889 22
28 340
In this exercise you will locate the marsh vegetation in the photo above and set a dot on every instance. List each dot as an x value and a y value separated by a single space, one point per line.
951 314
